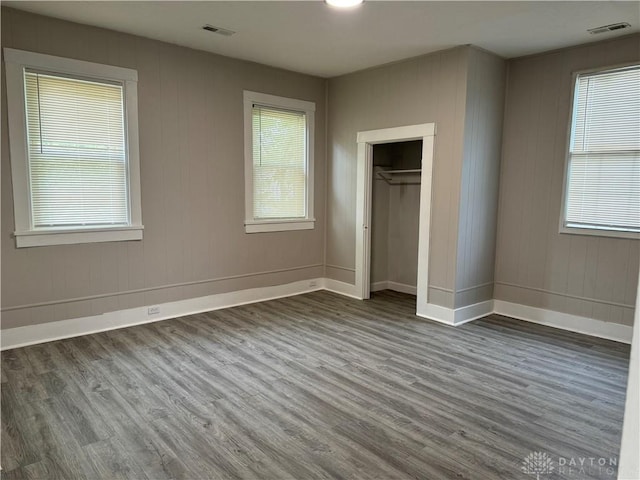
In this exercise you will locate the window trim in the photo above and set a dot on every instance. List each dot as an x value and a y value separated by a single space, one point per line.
251 224
16 61
563 227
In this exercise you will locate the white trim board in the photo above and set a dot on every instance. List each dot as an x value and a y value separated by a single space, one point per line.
336 286
47 332
541 316
457 316
364 168
565 321
75 327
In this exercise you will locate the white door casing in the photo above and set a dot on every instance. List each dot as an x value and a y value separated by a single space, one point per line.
366 140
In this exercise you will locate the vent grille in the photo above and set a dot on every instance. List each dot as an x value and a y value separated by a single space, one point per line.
218 30
609 28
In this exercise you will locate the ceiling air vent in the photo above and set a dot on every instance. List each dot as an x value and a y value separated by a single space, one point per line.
218 30
609 28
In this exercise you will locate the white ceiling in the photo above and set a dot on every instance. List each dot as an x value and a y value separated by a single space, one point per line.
311 37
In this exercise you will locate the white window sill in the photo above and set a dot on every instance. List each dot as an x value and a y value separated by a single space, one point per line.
279 225
40 238
599 232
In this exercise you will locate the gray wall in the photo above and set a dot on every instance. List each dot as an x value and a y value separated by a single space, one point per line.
191 146
430 88
594 277
404 221
379 230
478 215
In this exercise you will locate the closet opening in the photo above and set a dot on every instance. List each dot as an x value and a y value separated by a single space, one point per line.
404 174
395 216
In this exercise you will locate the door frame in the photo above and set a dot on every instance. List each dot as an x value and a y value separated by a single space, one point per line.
366 139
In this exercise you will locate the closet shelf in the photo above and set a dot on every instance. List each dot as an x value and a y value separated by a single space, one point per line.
400 177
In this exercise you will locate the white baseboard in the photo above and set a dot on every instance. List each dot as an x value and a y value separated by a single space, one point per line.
395 286
457 316
551 318
565 321
437 313
47 332
472 312
342 288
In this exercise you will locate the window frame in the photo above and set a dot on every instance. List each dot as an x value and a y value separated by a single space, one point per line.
563 227
16 61
251 224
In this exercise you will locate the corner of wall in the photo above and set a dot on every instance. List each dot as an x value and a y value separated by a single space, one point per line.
326 176
479 182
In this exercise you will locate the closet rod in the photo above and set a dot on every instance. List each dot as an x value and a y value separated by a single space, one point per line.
393 177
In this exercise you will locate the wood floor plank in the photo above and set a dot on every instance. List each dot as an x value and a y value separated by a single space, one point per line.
132 431
314 386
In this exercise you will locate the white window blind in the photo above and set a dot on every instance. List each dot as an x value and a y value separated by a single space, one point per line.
279 163
603 182
76 152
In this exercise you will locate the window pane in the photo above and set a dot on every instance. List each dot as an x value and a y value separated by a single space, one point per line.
76 148
604 191
607 112
603 187
279 163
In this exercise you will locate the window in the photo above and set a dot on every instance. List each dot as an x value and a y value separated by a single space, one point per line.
602 190
278 163
74 150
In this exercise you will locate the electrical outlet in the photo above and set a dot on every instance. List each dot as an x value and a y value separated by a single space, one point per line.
153 311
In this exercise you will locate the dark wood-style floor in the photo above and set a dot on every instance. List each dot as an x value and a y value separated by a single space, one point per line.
313 386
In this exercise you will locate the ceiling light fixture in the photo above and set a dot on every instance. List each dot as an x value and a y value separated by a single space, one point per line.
343 3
